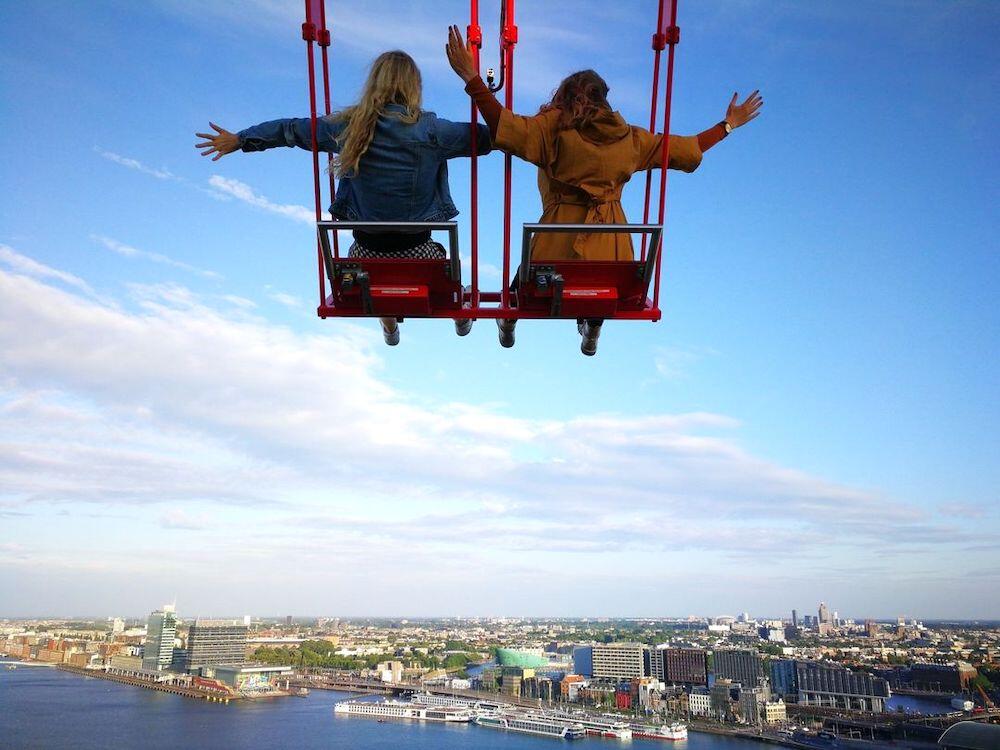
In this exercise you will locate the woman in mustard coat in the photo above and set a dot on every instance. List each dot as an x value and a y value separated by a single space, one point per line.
585 153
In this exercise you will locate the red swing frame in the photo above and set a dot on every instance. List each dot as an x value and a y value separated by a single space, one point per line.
545 289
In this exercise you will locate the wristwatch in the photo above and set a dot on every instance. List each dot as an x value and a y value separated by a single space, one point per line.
726 126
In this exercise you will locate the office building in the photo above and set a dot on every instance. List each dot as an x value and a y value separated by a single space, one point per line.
774 712
795 619
740 665
941 678
685 665
783 679
161 629
583 661
833 686
656 662
620 661
722 695
752 702
775 635
824 613
700 702
212 642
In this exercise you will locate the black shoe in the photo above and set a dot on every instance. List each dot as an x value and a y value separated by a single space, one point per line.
506 329
590 333
462 327
391 336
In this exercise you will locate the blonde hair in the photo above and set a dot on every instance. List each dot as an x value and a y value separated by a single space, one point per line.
394 78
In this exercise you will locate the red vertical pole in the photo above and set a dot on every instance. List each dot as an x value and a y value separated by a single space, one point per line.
309 35
673 36
508 36
474 34
323 35
659 42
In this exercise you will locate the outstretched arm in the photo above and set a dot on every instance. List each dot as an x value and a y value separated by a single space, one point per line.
272 134
686 151
737 115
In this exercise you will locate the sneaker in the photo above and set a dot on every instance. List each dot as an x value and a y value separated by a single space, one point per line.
590 333
506 329
463 326
391 335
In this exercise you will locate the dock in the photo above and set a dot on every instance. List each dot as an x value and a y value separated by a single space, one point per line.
159 686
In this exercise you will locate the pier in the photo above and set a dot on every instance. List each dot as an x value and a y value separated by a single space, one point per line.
159 686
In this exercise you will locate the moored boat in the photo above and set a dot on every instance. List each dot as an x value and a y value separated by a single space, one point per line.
525 723
402 710
673 731
596 726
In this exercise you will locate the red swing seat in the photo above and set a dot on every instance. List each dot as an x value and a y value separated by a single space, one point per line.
585 288
391 287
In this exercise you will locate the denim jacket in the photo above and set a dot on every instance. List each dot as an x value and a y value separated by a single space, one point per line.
403 176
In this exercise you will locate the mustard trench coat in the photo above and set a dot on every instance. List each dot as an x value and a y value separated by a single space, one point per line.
581 175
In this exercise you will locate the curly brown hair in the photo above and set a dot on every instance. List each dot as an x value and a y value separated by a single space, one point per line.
580 98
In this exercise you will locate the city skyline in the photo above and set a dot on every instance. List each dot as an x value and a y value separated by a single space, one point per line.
816 414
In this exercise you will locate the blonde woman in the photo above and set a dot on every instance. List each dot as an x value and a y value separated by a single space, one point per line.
392 161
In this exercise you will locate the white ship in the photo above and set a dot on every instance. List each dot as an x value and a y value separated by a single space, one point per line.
402 710
673 731
430 699
596 726
530 724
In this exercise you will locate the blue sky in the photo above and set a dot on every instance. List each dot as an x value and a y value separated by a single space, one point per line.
815 418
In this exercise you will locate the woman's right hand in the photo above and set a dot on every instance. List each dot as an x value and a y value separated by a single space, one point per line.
460 55
220 143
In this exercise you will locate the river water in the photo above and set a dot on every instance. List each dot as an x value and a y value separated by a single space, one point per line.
47 709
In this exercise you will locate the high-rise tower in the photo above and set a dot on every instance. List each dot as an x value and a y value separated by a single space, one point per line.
824 612
161 629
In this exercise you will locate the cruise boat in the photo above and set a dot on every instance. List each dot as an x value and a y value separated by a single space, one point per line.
430 699
673 731
530 724
402 710
596 726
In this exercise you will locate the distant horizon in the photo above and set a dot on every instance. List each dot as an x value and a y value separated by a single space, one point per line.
818 411
417 618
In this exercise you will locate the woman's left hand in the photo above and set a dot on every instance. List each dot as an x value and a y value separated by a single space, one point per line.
741 114
220 143
460 55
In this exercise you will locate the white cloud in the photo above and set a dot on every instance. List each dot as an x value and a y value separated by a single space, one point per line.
242 191
317 461
487 271
30 267
176 518
128 251
674 362
288 300
125 161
